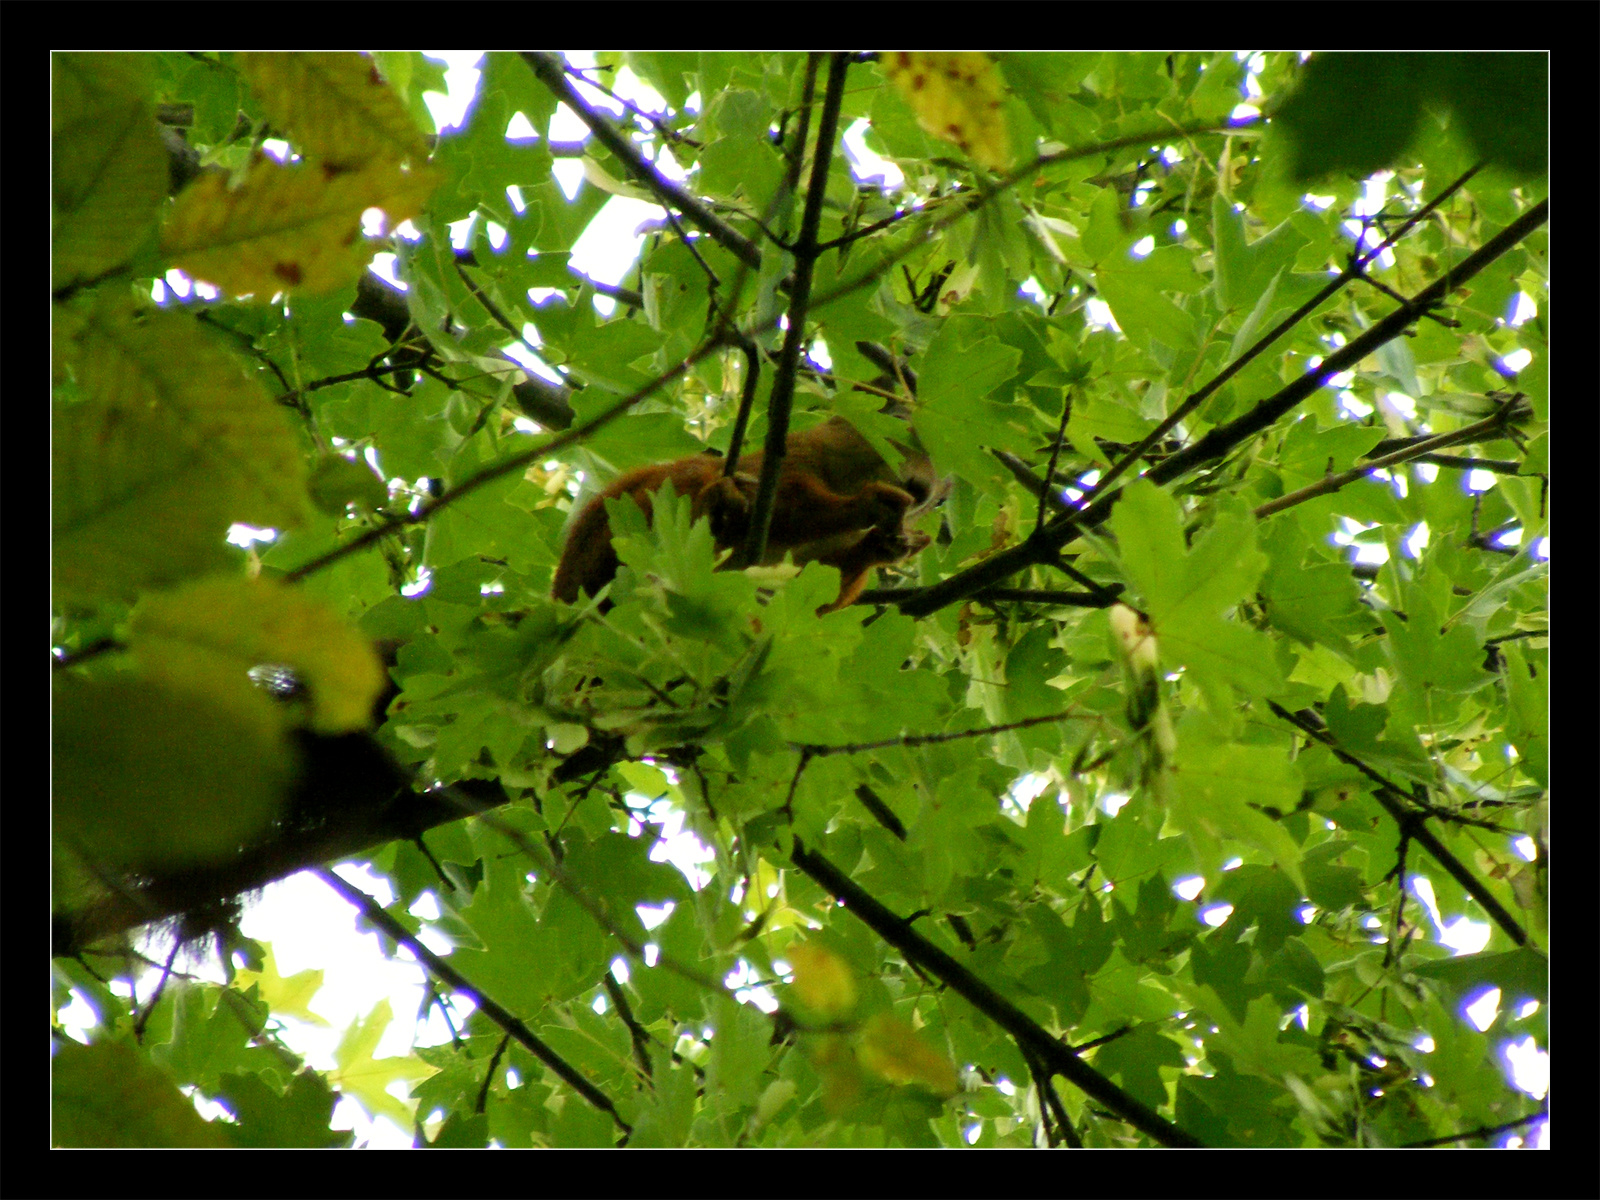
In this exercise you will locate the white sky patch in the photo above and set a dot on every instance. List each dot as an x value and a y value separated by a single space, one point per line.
310 927
530 362
1025 791
1189 887
249 535
1416 541
1530 1067
384 266
610 245
424 580
677 845
1461 934
569 175
1350 406
651 915
866 164
1484 1009
461 78
1347 535
1216 915
1097 312
1517 360
1523 310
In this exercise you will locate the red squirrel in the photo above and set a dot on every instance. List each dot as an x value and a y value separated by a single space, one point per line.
838 503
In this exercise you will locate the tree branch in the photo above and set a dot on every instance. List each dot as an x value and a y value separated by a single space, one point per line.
448 975
1478 431
805 261
1223 438
551 71
1414 825
1029 1034
1357 265
933 739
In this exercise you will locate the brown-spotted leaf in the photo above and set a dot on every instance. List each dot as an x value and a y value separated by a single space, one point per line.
959 97
335 106
286 228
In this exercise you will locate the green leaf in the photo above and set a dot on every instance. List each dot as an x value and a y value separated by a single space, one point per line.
1218 791
109 1096
1520 974
294 1118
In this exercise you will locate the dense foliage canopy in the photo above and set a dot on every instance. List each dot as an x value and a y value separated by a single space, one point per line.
1144 807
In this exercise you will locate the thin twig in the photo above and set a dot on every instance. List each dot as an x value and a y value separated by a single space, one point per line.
1478 1134
747 400
932 739
1478 431
445 973
1414 824
551 71
1100 598
1055 455
975 200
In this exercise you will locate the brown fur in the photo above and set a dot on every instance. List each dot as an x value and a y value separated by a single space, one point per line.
837 503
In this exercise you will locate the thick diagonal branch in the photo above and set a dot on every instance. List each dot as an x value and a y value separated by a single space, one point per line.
456 981
1219 441
1029 1034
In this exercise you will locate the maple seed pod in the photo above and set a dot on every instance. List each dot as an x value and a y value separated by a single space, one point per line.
1134 635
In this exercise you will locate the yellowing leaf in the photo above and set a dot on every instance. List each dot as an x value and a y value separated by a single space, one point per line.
897 1053
335 106
172 444
288 227
839 1072
222 627
367 1079
823 982
958 97
289 997
108 166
